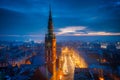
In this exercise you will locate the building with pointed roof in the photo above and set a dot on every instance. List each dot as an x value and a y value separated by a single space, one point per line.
50 47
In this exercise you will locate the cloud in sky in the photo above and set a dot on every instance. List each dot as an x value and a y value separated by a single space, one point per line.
81 31
62 34
70 29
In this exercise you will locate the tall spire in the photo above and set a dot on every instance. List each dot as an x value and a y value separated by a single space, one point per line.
50 24
50 46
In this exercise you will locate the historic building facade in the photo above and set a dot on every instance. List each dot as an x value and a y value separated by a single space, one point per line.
50 47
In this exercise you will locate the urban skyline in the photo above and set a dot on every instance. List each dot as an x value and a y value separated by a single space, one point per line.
59 40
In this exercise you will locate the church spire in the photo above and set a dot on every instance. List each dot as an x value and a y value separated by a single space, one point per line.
50 47
50 24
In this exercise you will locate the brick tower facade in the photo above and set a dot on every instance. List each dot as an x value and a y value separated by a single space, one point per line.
50 47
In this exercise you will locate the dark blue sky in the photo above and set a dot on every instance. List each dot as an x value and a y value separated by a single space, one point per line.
29 18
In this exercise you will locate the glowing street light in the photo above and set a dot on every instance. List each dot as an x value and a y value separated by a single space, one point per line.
101 78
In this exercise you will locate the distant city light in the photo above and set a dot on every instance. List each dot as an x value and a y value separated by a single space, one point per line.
104 46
